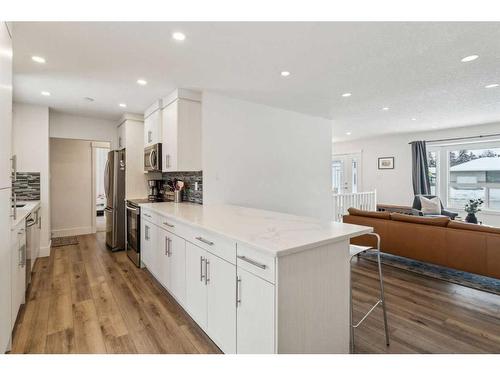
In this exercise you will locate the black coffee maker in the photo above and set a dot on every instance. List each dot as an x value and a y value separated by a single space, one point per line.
155 190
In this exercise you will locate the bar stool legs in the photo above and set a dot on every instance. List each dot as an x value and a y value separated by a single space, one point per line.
355 251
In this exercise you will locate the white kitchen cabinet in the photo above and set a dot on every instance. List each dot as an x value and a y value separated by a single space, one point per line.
5 106
181 131
196 291
18 268
5 270
152 124
122 136
221 299
148 242
172 273
255 314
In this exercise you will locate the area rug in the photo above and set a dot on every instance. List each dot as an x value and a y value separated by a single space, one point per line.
64 241
486 284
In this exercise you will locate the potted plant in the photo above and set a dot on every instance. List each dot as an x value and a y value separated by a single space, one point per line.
472 207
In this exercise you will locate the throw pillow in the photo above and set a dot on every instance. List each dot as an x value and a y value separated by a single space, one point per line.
431 206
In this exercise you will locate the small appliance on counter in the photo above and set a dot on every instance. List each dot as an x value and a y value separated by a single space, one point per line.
155 193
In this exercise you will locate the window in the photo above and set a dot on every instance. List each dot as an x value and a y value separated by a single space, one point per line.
466 171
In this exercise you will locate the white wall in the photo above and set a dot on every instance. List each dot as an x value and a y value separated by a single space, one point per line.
264 157
30 142
395 186
63 125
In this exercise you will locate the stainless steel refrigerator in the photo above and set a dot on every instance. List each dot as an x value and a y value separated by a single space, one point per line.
114 187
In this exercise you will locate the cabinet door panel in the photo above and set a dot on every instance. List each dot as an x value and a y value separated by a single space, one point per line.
196 290
162 258
146 243
221 282
177 267
169 137
5 270
255 314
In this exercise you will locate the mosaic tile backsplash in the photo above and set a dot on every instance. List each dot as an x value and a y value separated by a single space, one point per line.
27 186
189 178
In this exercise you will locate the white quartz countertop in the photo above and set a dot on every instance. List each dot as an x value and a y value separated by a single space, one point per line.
23 212
274 232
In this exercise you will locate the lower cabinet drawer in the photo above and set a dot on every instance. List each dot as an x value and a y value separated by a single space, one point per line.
213 243
256 262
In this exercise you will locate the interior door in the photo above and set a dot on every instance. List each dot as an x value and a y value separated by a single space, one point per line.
345 173
196 290
221 282
255 314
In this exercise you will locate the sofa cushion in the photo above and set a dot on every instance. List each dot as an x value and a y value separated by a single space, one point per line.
436 221
475 227
375 214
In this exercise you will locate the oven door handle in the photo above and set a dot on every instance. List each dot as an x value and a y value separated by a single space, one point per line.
131 209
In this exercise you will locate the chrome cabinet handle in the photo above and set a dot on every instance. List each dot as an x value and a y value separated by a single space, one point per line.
169 246
39 222
204 240
207 278
238 290
252 262
202 276
150 138
168 224
167 161
166 247
13 159
146 234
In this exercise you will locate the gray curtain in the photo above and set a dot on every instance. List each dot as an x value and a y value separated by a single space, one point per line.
420 168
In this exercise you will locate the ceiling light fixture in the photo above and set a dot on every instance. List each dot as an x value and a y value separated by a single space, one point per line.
178 36
285 73
385 109
45 93
38 59
491 86
469 58
142 82
346 94
348 133
123 105
413 119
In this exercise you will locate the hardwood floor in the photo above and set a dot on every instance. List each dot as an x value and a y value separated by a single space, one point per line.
85 299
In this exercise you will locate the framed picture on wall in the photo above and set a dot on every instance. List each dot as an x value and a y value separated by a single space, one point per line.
386 162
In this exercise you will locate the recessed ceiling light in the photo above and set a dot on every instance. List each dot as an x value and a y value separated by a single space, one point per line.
179 36
285 73
142 82
385 109
413 119
38 59
469 58
123 105
491 86
348 133
346 94
45 93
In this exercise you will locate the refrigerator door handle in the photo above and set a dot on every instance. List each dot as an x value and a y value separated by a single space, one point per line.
106 178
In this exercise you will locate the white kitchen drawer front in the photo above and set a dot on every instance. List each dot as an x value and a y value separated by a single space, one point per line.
256 262
213 243
150 216
173 226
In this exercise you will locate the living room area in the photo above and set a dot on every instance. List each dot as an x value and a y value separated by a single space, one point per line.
425 175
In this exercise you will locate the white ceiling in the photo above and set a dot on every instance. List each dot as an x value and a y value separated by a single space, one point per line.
413 68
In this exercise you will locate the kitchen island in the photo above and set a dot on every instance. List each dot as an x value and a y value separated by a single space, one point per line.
255 281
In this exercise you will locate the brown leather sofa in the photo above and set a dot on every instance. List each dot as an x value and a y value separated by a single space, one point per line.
454 244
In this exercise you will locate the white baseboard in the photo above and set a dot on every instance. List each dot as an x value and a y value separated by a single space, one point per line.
71 231
44 251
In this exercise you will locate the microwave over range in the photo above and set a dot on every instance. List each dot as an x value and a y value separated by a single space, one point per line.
152 158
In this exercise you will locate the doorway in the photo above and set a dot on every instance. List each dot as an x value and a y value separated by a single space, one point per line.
346 173
99 158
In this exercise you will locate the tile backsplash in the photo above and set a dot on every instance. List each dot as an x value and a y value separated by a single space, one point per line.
27 186
190 179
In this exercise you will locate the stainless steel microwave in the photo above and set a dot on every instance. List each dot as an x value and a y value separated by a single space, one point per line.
152 158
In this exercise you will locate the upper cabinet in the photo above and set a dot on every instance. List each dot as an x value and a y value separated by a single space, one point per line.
181 131
152 124
5 106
